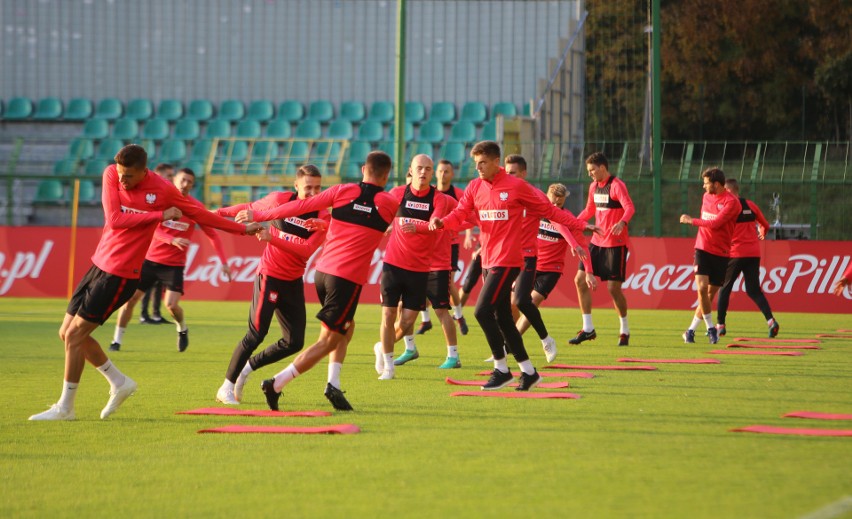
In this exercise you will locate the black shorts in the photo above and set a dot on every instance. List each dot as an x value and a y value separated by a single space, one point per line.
545 282
99 294
398 283
710 265
339 300
438 289
454 257
609 263
169 275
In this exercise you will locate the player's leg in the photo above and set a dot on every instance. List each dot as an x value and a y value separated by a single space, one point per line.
413 293
732 272
124 315
512 338
473 276
438 294
751 276
144 316
157 302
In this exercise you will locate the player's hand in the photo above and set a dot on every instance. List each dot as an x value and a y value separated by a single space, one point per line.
408 228
253 228
591 281
180 243
316 224
435 224
244 216
172 213
227 270
618 228
840 286
469 241
685 218
263 235
595 229
475 254
579 252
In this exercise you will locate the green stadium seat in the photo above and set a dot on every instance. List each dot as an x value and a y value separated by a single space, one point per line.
170 109
96 129
248 129
389 148
442 111
325 153
504 108
48 109
172 150
255 168
463 131
222 167
408 133
109 108
322 111
218 128
187 130
78 109
95 167
340 129
201 149
19 108
108 148
432 132
381 111
231 110
278 129
291 111
262 191
475 112
415 112
454 152
358 151
125 129
309 129
200 110
527 110
80 149
279 168
264 150
156 129
420 148
139 109
151 149
50 191
299 152
234 151
197 167
65 167
87 193
353 111
260 111
489 131
371 130
352 173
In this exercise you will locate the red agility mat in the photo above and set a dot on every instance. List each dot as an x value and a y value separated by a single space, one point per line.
229 411
774 346
761 352
818 416
673 361
621 368
768 429
542 385
834 335
279 429
515 394
844 330
567 374
764 339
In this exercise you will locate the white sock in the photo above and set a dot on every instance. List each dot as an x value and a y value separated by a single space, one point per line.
227 385
527 367
115 377
708 320
500 365
409 343
285 376
587 323
388 360
246 370
180 325
453 351
457 311
624 328
69 392
695 322
119 334
334 373
770 322
425 317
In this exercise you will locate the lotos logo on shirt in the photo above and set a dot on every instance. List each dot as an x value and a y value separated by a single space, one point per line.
178 226
707 216
125 209
273 297
504 196
298 222
494 215
150 198
546 226
601 198
420 206
362 208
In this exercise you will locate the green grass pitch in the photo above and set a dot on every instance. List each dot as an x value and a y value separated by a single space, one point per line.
637 444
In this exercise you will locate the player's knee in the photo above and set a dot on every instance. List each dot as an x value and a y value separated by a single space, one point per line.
482 314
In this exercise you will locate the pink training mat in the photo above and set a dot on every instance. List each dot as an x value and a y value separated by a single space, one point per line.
768 429
773 346
764 339
515 394
818 416
229 411
835 335
480 383
592 368
673 361
279 429
759 352
567 374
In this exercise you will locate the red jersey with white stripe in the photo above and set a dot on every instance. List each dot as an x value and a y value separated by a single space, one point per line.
745 243
413 251
291 245
455 193
552 246
499 205
716 225
360 215
609 203
131 217
163 252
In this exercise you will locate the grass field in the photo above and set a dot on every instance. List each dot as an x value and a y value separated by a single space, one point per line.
637 444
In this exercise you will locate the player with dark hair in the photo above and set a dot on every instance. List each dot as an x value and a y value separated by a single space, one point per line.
135 201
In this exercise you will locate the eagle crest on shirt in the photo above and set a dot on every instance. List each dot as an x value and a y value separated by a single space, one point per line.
504 195
150 198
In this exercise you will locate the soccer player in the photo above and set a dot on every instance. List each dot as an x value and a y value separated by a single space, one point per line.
278 287
154 295
165 263
612 208
360 215
407 261
135 201
499 200
550 264
844 282
719 210
745 259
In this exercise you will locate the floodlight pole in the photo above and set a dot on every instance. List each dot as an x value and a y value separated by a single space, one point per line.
656 119
399 113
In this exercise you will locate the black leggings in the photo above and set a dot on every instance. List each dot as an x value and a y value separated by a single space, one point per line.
494 313
750 268
473 275
523 297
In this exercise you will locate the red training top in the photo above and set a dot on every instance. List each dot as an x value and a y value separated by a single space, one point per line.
552 247
455 193
413 251
163 252
716 225
745 243
609 203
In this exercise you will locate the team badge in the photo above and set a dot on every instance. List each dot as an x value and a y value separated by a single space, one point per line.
273 297
720 206
504 196
150 198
